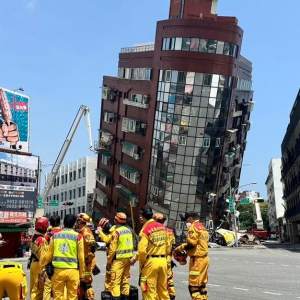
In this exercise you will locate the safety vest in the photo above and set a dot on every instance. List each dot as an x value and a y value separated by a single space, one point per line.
125 243
65 249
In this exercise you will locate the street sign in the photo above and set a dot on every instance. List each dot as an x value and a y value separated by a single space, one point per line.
54 203
244 200
230 198
40 202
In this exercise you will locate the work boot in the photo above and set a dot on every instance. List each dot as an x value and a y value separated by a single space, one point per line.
125 297
115 298
172 297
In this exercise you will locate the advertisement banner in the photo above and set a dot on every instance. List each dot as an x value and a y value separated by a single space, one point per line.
14 120
13 217
18 182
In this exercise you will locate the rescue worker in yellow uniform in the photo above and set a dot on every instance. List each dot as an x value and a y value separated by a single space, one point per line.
54 227
66 252
196 247
87 292
152 256
160 218
118 259
105 230
12 281
38 246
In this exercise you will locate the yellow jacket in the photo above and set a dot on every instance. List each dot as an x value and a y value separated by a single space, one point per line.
88 239
153 241
112 249
39 246
47 256
197 239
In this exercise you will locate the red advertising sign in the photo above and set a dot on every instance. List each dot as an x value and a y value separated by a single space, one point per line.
13 216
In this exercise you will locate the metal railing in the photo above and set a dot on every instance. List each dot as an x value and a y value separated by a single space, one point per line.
143 48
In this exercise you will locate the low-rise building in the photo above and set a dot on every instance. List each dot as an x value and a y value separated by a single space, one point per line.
73 188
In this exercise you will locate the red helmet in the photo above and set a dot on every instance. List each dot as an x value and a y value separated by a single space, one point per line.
180 256
102 222
83 217
42 224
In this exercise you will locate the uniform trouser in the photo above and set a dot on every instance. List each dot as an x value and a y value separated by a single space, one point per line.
198 277
13 282
36 283
120 275
153 279
170 281
107 281
87 292
62 278
47 289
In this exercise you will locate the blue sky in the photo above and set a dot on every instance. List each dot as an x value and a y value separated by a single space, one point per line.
58 51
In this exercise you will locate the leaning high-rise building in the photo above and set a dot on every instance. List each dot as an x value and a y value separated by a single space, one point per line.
175 120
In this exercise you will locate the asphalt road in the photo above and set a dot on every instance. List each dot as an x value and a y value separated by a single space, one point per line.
264 273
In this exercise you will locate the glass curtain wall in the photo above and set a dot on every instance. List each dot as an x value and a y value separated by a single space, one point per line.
188 134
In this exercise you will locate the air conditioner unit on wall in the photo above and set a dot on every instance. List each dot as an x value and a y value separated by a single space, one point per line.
143 125
136 156
105 92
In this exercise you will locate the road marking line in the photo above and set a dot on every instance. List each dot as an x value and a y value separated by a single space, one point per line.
235 288
271 263
273 293
258 262
246 261
285 265
213 284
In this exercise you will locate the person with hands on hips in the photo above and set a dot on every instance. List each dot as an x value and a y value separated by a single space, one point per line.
196 247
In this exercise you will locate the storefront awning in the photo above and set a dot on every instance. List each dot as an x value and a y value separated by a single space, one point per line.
129 169
13 229
129 145
101 172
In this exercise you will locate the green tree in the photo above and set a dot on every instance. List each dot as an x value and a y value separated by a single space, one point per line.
246 218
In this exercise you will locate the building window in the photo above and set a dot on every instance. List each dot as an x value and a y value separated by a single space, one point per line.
106 158
66 196
182 140
62 179
62 196
131 125
74 175
206 142
70 195
79 173
83 191
103 178
108 117
83 172
79 192
217 142
66 178
70 176
130 174
74 193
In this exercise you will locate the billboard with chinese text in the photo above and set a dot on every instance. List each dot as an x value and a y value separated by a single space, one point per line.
14 120
18 182
13 216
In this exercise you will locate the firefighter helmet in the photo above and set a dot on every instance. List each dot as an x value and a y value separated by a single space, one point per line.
158 217
102 222
84 218
121 218
180 256
41 224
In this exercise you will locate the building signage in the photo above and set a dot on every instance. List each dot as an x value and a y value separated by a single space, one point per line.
13 216
14 120
18 182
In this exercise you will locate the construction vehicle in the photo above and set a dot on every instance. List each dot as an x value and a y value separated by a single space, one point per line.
258 229
83 111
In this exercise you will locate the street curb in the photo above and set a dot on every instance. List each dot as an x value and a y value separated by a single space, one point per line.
14 259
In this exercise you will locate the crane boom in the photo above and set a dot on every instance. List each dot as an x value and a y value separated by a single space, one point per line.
83 111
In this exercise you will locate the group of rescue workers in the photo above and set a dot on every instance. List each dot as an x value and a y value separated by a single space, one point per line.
62 261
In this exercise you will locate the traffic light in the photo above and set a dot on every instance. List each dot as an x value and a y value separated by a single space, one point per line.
40 202
68 203
259 200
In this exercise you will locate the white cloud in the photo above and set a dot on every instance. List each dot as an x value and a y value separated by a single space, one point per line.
30 4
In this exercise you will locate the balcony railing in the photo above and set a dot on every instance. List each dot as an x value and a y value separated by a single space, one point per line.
142 48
